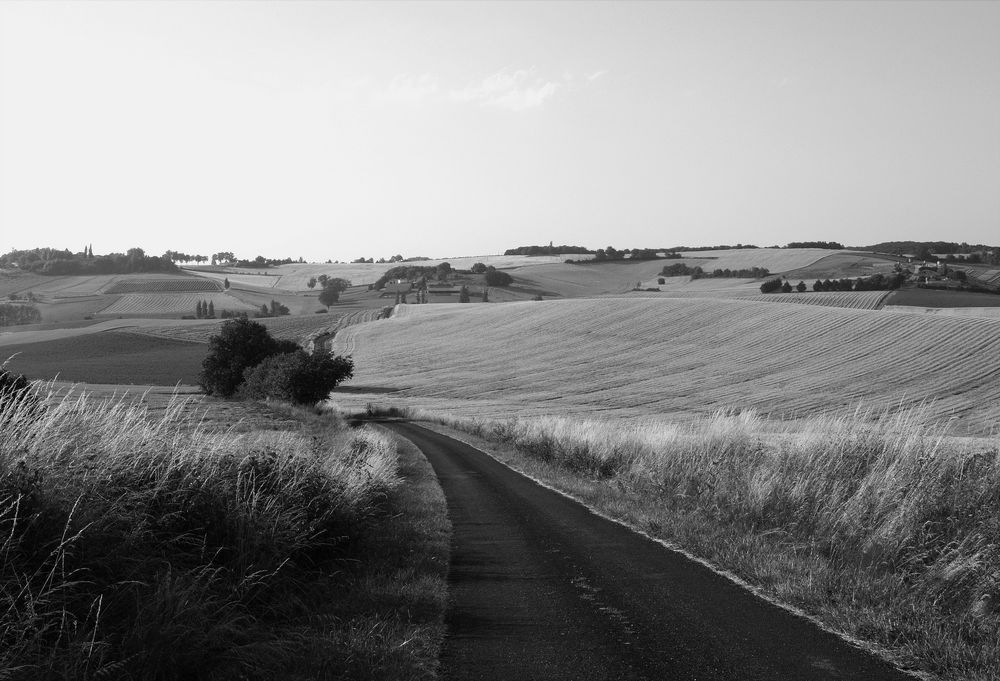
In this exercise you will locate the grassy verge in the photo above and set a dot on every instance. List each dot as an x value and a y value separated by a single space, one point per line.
880 528
149 546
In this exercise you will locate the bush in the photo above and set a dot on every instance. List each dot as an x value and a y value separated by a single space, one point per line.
771 285
18 313
296 377
497 278
17 393
241 344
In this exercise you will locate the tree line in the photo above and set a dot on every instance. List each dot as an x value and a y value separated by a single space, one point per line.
50 261
12 314
876 282
696 272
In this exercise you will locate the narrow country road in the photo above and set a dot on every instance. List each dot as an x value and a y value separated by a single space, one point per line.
541 588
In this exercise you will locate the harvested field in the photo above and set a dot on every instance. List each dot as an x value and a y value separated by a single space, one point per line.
294 276
252 279
977 312
173 303
854 300
122 358
776 260
844 264
16 281
640 358
577 281
77 286
298 328
172 285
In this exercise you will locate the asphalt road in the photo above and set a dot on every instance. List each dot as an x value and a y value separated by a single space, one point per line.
541 588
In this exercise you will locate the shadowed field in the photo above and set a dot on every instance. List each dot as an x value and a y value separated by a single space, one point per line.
109 357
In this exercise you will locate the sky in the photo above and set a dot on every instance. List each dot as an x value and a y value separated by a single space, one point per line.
336 130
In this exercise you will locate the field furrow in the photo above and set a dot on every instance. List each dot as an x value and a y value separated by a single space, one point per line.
173 303
654 357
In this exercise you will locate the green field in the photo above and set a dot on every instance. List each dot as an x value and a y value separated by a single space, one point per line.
110 357
925 297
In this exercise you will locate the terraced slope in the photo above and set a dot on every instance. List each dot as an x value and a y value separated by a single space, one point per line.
668 356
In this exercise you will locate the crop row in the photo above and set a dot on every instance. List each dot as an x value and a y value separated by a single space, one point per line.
655 357
177 284
173 303
854 300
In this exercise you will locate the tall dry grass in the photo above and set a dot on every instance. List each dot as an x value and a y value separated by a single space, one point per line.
141 546
890 529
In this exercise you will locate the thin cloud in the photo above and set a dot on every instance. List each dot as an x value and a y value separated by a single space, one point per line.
509 89
596 74
406 88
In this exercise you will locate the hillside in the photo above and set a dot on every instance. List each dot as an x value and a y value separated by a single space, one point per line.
669 357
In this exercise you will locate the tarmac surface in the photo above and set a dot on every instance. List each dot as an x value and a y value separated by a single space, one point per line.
542 588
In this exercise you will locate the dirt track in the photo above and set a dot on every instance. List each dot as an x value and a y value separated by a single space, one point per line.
541 588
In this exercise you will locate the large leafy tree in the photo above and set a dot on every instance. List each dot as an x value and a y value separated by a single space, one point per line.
332 288
240 345
297 377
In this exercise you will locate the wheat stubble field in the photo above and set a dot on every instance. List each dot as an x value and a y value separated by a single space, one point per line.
653 357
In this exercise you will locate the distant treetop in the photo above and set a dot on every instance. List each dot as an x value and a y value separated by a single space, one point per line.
61 263
547 250
815 244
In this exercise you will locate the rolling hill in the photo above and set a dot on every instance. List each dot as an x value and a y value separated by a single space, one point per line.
633 357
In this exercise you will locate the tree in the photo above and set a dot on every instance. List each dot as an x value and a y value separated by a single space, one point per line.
332 288
478 268
211 310
297 377
240 344
786 288
800 287
198 311
312 282
443 271
463 295
494 277
225 283
771 285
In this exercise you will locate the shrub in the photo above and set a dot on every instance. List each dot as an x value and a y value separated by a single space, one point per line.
18 313
241 344
497 278
296 377
771 285
17 393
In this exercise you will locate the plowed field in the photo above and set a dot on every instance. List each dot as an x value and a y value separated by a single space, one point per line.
172 303
669 356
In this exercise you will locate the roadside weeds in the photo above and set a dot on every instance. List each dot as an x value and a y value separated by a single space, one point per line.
925 601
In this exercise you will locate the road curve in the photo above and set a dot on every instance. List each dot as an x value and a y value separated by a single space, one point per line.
541 588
